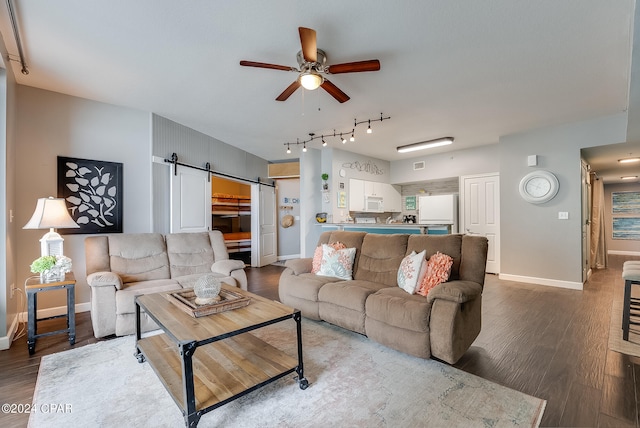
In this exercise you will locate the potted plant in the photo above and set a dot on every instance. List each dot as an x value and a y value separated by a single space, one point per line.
51 268
325 185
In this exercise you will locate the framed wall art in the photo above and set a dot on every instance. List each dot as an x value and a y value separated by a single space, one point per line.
626 228
92 190
625 202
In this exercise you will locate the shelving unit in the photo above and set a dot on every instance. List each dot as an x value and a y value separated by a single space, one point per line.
231 214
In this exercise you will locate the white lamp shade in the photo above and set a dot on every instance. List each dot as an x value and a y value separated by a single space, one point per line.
51 213
310 81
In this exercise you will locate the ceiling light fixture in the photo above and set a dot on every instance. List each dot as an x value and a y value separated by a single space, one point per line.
629 177
629 160
310 81
425 145
343 140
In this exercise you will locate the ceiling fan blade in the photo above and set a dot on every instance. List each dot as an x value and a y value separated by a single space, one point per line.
265 65
355 67
309 46
290 90
334 91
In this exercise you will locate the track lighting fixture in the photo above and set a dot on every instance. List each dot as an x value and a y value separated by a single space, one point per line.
341 135
425 145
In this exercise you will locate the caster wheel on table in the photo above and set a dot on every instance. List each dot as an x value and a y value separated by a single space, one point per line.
304 383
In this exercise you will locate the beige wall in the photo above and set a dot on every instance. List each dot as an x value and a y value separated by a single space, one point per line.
50 124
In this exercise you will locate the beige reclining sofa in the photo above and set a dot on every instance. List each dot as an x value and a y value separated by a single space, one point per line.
443 324
122 266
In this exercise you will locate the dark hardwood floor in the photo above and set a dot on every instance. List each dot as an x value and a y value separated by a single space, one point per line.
544 341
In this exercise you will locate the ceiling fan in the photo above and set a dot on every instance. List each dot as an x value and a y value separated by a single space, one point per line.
311 61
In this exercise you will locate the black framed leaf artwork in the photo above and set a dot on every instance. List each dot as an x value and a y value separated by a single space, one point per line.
93 193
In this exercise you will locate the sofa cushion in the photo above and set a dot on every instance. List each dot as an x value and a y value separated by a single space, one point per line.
380 258
349 239
393 306
317 255
138 256
305 286
349 294
125 298
450 245
189 253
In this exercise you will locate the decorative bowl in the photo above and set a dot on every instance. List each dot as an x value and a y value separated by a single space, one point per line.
321 217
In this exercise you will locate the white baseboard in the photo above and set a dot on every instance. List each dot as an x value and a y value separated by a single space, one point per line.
59 310
5 341
289 257
542 281
624 253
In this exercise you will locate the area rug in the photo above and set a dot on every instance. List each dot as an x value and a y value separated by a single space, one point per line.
632 346
354 382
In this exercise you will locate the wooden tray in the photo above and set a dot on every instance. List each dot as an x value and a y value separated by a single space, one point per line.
185 300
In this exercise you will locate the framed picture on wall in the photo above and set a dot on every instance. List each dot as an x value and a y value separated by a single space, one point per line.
92 190
342 199
625 202
626 228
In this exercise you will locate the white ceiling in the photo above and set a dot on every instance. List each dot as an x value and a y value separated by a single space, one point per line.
474 70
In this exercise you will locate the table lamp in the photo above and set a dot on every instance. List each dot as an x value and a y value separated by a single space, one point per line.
51 213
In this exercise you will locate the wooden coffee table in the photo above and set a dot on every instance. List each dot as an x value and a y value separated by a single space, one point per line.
229 363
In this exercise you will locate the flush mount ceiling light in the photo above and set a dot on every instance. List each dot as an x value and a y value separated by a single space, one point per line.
629 177
629 160
425 145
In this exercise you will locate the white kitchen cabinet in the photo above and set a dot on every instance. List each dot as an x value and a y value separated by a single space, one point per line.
356 195
392 199
373 188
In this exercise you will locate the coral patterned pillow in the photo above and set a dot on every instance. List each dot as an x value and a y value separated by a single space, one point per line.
317 255
337 263
410 271
438 271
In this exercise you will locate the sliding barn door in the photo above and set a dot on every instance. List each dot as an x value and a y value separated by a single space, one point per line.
264 227
190 199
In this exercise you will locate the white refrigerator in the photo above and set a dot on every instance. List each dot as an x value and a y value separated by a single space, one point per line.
439 210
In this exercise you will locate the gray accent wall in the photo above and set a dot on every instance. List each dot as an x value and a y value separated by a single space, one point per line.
535 245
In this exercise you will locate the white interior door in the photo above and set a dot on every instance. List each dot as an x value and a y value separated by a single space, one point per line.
264 228
481 213
190 199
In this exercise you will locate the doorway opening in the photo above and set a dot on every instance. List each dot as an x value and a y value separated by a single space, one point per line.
231 215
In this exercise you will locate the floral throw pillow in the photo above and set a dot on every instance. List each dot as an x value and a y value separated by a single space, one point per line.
337 263
438 271
317 255
410 271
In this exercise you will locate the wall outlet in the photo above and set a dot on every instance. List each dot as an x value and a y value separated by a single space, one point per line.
563 215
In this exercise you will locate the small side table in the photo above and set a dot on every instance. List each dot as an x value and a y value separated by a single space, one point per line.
33 286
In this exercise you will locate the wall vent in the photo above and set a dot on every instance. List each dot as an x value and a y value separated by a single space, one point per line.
418 165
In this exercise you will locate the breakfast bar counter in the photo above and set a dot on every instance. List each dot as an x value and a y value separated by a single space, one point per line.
390 228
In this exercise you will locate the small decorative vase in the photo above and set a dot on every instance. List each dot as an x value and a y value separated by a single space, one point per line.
51 275
207 290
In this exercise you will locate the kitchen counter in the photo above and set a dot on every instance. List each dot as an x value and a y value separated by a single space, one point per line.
383 228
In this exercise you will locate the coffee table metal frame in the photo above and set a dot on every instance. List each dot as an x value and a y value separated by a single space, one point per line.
187 348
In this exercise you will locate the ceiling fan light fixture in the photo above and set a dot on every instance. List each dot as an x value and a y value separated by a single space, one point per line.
425 145
310 81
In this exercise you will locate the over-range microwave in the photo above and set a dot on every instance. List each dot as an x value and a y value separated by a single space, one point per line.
373 204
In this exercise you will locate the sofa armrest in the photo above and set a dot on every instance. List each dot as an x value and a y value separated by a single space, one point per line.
103 279
299 266
225 267
455 291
